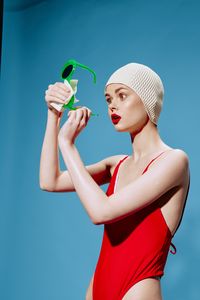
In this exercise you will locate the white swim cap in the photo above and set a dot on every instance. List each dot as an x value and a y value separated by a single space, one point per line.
146 84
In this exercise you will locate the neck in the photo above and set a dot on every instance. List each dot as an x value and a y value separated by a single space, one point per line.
146 141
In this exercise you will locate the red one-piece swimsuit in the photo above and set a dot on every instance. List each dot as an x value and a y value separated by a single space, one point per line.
133 248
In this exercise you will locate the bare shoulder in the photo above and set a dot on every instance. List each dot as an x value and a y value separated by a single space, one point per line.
180 159
179 154
174 161
114 160
184 162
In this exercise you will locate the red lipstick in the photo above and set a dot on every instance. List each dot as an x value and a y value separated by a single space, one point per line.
115 118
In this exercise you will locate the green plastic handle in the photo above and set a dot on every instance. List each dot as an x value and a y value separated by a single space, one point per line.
71 65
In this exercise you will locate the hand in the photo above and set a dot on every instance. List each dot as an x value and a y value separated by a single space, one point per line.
77 120
57 92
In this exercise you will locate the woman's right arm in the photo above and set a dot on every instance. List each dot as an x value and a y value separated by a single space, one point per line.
52 179
99 171
60 181
49 160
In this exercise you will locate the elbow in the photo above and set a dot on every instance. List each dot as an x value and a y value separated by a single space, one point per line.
96 220
99 220
103 216
46 188
105 219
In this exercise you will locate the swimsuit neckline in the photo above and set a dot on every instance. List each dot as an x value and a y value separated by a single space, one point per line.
116 171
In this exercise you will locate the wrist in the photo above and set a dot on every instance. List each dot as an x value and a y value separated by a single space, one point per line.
53 112
65 143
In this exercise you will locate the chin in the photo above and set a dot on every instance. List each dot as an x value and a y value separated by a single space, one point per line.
121 128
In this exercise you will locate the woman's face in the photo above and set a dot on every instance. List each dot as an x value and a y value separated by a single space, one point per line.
123 101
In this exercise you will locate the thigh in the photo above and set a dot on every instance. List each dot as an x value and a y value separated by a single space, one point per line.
145 289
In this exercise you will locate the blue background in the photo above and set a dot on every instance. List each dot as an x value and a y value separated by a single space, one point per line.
48 245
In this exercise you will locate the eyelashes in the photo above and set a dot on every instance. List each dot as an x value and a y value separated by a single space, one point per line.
109 101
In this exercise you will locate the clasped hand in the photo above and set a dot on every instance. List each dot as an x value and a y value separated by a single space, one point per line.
77 119
76 122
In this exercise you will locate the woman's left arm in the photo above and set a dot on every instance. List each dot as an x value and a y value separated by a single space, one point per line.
89 192
102 209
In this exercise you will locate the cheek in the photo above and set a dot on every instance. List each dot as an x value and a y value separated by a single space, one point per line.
131 107
133 111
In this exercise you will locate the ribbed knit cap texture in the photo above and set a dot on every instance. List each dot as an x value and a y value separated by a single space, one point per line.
146 84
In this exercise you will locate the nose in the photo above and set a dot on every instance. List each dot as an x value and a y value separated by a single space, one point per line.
113 105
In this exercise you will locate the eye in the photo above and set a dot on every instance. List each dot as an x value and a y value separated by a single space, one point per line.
108 100
123 95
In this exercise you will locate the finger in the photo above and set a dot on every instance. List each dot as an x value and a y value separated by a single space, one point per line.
83 120
71 115
89 112
54 99
59 86
54 88
57 94
85 117
87 108
79 114
62 86
59 89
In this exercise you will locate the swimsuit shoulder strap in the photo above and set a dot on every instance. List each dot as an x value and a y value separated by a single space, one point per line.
118 164
113 178
154 159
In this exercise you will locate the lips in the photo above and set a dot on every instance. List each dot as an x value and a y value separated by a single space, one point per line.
115 118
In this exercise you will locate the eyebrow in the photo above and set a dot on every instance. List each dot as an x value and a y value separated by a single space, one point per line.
116 91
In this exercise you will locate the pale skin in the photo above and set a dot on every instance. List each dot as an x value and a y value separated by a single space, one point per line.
86 180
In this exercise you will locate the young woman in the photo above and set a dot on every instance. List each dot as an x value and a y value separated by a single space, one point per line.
145 200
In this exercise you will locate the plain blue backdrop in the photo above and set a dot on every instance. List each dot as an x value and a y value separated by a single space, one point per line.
48 245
